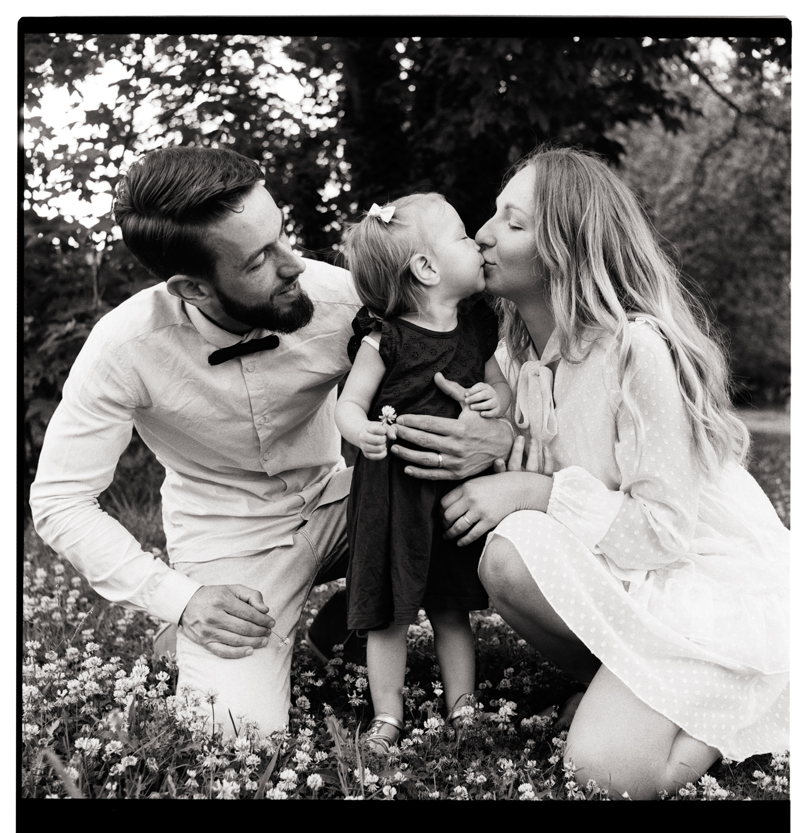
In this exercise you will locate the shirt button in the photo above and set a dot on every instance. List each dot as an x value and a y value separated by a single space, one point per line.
265 457
250 368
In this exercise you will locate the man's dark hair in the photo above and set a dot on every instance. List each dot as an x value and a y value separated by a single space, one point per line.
169 197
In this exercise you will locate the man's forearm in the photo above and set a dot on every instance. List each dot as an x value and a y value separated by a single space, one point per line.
108 556
77 462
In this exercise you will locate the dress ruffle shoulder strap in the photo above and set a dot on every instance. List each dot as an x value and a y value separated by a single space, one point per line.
363 324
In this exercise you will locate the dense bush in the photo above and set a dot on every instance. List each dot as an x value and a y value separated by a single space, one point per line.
343 122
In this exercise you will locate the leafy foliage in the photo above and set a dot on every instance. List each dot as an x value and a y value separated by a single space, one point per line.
719 193
341 122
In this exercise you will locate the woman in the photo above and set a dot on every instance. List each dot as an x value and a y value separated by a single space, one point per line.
650 566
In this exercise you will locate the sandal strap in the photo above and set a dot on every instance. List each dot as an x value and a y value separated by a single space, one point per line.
376 722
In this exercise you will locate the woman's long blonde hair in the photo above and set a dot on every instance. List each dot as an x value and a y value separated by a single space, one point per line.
602 267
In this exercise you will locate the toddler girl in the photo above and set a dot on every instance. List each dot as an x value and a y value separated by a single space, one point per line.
412 264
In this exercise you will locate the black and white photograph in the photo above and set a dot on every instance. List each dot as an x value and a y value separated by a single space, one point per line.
404 417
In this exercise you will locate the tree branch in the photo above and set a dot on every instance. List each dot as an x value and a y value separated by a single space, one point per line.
732 104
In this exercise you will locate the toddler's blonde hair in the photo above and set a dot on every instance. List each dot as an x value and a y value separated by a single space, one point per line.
379 254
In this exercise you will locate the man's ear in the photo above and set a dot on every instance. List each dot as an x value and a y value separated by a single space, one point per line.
192 290
424 269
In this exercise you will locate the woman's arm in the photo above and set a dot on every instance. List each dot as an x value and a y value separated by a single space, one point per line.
650 520
477 506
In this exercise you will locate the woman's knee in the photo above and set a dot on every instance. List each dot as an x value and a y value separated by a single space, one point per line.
501 568
599 768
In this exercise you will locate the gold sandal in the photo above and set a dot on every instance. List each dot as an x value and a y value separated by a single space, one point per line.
382 733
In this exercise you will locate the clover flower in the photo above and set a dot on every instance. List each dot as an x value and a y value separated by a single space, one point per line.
288 778
113 747
30 730
434 725
90 746
779 761
388 415
781 784
226 790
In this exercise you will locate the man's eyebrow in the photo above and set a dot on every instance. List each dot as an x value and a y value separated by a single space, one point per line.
263 249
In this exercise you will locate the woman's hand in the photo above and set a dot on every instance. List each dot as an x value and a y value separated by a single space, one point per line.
453 448
521 459
477 506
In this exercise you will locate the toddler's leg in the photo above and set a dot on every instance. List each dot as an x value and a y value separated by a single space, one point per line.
386 668
455 650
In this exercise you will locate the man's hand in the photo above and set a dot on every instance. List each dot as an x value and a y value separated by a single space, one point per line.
467 445
230 620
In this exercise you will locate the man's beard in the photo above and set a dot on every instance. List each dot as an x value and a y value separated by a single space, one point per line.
266 316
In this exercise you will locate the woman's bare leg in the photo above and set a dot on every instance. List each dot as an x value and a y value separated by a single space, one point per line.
518 599
615 739
627 747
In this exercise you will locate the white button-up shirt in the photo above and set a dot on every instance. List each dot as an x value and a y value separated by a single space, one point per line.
249 446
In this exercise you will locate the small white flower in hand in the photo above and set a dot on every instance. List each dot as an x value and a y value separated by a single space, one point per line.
388 415
284 640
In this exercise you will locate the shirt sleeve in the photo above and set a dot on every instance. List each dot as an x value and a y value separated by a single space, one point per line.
88 432
650 520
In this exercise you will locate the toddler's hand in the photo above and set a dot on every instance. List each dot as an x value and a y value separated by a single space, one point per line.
482 397
372 439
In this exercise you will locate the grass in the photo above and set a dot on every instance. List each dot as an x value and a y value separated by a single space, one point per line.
100 718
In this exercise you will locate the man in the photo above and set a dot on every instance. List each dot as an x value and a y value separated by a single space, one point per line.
228 370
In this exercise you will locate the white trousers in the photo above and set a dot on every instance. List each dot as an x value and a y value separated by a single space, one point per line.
256 688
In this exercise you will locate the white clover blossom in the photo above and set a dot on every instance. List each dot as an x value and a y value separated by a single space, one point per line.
113 747
30 730
388 415
90 746
226 789
434 724
314 781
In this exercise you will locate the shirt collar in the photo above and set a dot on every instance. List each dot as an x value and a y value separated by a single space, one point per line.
213 333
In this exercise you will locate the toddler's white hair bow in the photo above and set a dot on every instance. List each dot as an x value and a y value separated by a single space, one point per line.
385 214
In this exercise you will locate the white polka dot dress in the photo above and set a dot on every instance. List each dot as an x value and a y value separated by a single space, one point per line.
677 584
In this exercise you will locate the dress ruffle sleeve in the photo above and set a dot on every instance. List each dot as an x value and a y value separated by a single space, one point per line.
363 324
583 504
650 520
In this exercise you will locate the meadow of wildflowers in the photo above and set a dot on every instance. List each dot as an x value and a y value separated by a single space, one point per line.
100 718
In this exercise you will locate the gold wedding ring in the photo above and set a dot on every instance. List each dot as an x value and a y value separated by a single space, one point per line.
440 460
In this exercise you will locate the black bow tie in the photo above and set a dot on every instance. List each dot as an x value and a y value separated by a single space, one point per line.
244 348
